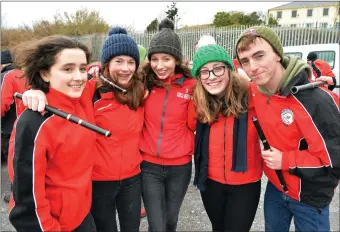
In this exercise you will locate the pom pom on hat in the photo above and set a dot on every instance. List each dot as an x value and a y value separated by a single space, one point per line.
117 30
166 23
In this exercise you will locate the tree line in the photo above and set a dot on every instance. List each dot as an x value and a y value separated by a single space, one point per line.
87 22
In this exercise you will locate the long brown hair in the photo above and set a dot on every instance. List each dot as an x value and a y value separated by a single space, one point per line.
135 89
151 77
208 106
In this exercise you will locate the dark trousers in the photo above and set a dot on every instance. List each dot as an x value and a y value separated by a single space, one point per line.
87 225
4 147
123 195
164 188
231 208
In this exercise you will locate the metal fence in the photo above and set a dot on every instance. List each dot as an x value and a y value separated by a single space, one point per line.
226 37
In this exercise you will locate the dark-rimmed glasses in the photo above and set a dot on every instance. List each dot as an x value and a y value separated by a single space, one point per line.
217 71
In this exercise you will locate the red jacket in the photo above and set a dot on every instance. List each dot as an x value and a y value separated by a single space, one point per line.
166 138
221 152
308 138
117 157
50 166
10 109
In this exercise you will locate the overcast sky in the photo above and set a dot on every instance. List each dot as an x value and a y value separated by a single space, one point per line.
136 14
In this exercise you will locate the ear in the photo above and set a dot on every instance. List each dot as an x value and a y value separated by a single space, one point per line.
44 75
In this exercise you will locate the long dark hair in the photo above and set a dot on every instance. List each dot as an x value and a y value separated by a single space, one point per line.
40 55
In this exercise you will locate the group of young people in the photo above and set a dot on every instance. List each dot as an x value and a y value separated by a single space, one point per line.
67 178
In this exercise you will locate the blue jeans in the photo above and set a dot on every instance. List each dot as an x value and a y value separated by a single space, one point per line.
279 209
164 188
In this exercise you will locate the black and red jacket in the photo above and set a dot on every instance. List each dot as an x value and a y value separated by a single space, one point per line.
305 127
166 137
50 166
117 157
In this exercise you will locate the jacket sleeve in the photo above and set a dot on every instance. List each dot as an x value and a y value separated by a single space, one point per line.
192 116
319 123
7 92
31 211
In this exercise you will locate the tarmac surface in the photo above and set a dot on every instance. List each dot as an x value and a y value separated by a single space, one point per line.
192 215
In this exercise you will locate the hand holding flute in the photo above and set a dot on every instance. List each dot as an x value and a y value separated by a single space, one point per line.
72 118
271 155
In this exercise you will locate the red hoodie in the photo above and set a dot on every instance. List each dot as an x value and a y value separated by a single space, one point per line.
50 166
166 138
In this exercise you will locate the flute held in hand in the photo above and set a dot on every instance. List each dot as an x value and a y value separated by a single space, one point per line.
72 118
266 146
312 85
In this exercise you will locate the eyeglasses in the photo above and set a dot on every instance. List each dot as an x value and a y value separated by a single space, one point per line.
217 71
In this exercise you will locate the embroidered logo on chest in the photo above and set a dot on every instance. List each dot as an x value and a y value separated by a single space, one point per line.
287 116
184 95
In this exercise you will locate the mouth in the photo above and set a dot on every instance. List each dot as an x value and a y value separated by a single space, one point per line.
161 73
214 84
76 87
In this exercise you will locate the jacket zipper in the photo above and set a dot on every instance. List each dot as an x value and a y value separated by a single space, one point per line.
162 123
224 147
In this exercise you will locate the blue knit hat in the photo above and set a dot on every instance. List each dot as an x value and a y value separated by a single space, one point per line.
119 44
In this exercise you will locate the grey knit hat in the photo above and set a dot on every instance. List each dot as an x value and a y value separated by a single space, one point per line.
166 41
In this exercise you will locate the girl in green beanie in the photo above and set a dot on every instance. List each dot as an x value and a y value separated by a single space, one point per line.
228 163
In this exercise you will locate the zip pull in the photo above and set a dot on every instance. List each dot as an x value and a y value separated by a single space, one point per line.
268 100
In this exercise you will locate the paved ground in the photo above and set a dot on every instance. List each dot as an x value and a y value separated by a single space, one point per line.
192 216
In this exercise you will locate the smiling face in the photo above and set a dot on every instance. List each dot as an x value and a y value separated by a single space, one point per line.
261 63
122 68
214 77
68 74
163 65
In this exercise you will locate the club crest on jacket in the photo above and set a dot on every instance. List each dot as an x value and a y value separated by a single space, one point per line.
287 116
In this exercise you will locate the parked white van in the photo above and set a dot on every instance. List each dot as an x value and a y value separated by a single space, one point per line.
326 52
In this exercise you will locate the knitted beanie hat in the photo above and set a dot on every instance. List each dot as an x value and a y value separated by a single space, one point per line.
210 53
119 44
6 57
166 41
267 34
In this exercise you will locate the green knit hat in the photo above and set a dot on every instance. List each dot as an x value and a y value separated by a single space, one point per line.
267 34
210 53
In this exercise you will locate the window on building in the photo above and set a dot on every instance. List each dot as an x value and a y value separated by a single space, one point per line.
328 56
323 25
337 26
325 11
279 15
309 12
308 25
292 25
294 13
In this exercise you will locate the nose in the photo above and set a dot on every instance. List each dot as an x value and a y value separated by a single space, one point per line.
212 76
79 76
125 67
252 65
159 65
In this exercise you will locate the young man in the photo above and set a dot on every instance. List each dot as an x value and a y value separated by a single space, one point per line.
321 70
303 131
